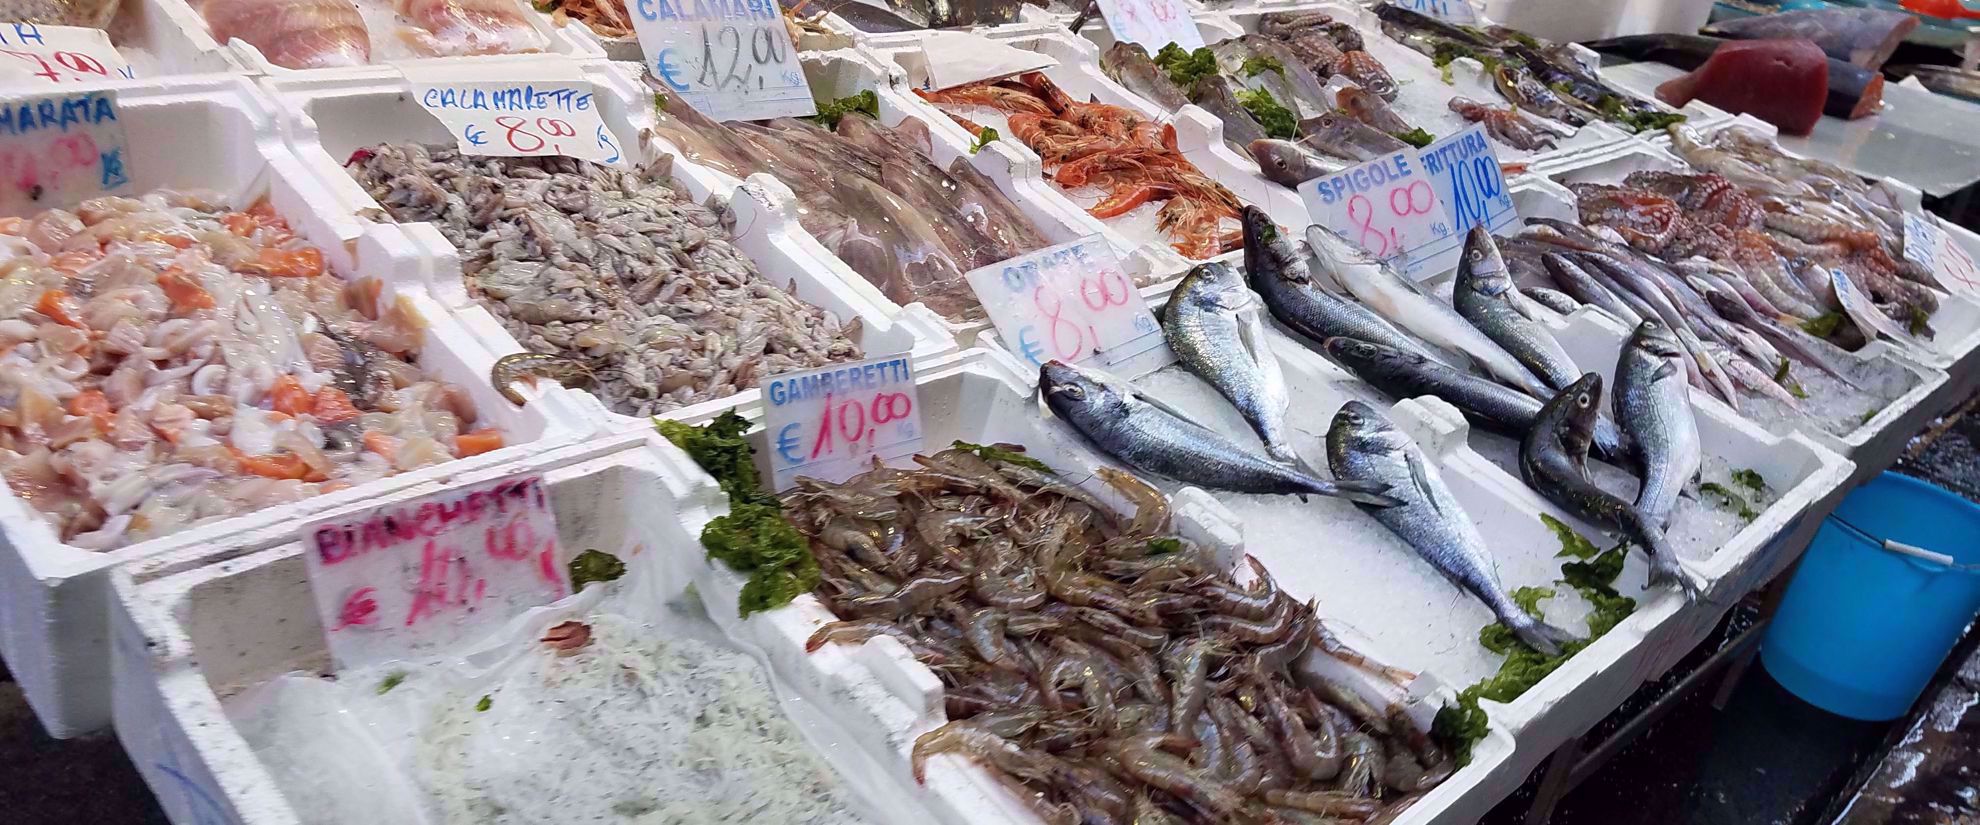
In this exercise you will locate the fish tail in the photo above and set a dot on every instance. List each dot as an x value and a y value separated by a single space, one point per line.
1372 493
1544 638
1664 565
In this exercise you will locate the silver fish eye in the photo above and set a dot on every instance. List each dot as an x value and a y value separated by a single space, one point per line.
1581 400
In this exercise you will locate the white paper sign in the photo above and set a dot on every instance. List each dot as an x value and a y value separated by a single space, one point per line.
1152 23
552 112
1413 207
1928 246
59 149
415 579
729 59
1070 303
1867 316
43 55
828 423
1450 11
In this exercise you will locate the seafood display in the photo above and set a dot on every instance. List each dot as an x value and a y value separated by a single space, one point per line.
321 34
1130 160
609 276
170 361
95 14
873 195
1101 668
654 719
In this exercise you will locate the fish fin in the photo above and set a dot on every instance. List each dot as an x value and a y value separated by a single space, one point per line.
1664 370
1419 477
1372 493
1159 404
1542 637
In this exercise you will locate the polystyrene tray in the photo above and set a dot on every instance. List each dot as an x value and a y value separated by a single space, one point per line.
52 630
160 38
558 41
1808 478
1875 444
1958 319
326 118
179 647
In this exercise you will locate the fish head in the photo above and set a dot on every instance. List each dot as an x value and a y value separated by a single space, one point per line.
1734 309
1582 405
1358 426
1654 338
1214 285
1281 161
1074 393
1335 251
1482 269
1123 53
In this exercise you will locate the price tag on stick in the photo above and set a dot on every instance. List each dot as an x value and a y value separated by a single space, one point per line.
1152 23
729 59
828 423
60 149
1071 303
415 579
32 55
552 113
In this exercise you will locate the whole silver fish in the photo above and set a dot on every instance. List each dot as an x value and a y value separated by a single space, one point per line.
1342 136
1384 290
1485 295
1128 64
1279 274
1307 90
1553 299
1487 404
1212 324
1148 437
1213 92
1653 405
1805 348
1553 460
1365 446
1290 164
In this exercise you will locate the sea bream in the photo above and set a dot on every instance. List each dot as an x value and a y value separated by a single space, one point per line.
1653 405
1402 302
1128 64
1486 296
1150 437
1364 446
1212 323
1553 460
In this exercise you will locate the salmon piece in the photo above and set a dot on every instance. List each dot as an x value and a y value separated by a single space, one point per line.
289 397
287 263
184 291
477 442
332 406
294 34
59 307
382 444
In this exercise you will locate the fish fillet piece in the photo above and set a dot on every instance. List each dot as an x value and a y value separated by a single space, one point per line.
1784 82
457 27
294 34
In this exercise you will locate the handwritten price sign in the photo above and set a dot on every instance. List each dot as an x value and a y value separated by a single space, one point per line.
411 580
1071 303
1152 23
36 55
729 59
503 118
829 423
1450 11
1413 207
59 149
1927 245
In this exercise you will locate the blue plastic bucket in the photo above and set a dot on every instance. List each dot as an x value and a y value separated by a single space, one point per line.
1863 627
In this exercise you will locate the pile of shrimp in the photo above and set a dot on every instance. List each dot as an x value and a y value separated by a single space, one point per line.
1130 158
166 361
1101 668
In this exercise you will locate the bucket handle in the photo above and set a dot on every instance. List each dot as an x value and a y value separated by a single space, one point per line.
1902 549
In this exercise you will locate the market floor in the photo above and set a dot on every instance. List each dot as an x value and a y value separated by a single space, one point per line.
44 781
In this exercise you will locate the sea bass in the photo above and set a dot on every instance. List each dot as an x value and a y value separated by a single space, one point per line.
1553 460
1279 274
1653 404
1148 436
1486 296
1389 293
1212 324
1363 445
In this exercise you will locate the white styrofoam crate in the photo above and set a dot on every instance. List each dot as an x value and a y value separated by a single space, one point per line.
52 630
1014 171
1809 478
556 40
1199 135
180 647
1945 373
164 37
1958 319
326 118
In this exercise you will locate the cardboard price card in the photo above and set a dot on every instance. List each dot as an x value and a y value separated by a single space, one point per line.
32 55
541 116
60 149
1414 206
1449 11
729 59
415 579
829 423
1070 303
1928 246
1152 23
